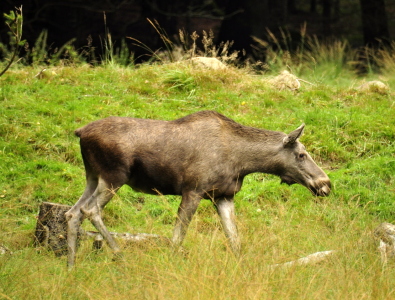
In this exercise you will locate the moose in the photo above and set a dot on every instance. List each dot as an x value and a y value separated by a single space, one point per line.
204 155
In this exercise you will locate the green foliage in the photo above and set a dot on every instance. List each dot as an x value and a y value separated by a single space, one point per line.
13 21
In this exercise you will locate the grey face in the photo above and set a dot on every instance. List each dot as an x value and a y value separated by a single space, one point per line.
299 167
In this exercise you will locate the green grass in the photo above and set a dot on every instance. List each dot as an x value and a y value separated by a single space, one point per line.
349 133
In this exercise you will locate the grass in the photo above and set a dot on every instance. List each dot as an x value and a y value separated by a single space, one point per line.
348 132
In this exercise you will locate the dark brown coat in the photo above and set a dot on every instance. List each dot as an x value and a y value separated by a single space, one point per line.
203 155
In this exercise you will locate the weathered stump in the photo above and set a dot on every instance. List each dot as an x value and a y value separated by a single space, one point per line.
51 228
51 231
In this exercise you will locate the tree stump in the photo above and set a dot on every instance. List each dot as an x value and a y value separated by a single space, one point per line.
51 231
51 228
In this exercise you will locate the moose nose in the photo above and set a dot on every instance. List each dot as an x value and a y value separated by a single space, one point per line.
325 188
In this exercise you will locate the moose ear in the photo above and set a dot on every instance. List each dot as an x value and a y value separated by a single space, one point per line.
293 136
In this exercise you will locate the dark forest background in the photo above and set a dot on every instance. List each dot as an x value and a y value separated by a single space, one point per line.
361 22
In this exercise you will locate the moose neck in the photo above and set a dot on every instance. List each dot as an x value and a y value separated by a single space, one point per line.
259 151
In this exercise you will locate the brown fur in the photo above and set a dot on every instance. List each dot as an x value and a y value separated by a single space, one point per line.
201 150
202 155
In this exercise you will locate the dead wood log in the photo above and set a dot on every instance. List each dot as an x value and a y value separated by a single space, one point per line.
385 232
311 259
51 228
133 238
51 231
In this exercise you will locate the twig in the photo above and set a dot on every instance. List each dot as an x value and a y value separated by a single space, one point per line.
17 32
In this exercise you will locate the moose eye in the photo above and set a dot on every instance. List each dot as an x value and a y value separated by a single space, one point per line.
302 155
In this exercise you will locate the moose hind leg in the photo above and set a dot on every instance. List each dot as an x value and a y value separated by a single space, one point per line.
75 217
93 208
226 211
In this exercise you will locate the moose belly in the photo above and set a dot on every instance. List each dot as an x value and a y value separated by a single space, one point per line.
155 181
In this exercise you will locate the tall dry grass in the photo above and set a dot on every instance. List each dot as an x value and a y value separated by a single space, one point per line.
207 269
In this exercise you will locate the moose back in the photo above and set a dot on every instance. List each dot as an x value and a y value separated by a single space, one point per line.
203 155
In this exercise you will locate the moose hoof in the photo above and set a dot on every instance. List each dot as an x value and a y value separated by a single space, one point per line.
179 250
118 256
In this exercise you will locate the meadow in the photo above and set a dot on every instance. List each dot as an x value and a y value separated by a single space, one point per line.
350 134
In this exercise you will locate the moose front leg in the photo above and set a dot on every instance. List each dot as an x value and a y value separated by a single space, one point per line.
226 211
75 218
186 210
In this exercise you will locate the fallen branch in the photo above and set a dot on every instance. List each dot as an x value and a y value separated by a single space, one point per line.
307 260
134 238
